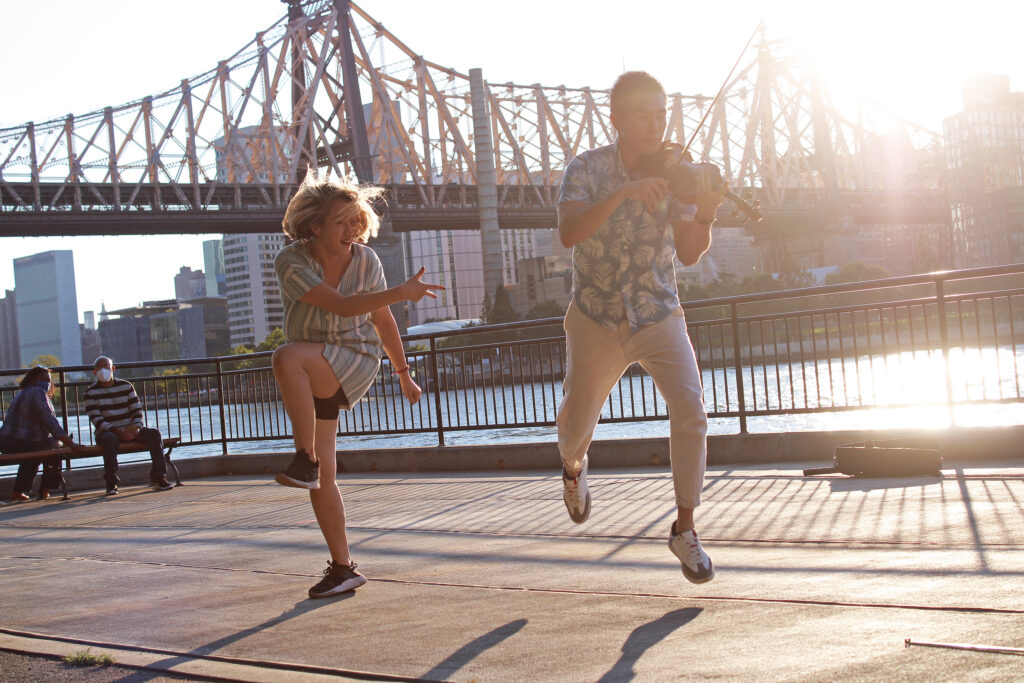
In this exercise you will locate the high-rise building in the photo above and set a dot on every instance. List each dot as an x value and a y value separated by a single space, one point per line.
255 307
10 353
167 330
213 265
91 343
47 307
454 258
985 159
189 284
89 319
125 337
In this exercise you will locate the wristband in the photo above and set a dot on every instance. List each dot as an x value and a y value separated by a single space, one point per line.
399 372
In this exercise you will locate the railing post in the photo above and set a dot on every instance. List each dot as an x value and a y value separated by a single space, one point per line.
437 391
737 362
940 298
64 411
220 402
63 399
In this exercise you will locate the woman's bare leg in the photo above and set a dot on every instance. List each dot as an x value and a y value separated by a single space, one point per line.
302 372
327 503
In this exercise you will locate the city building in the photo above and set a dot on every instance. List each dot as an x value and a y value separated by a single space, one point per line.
213 266
252 148
985 161
454 258
255 307
204 327
10 352
167 330
47 307
125 338
91 346
733 252
189 284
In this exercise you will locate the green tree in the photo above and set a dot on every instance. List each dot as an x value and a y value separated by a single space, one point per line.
856 271
240 350
170 385
47 360
545 309
792 275
500 309
274 339
485 309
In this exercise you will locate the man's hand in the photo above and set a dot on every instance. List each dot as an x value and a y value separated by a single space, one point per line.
415 289
75 447
127 433
650 191
410 389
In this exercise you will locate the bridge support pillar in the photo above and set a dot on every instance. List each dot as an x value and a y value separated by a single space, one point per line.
390 248
486 183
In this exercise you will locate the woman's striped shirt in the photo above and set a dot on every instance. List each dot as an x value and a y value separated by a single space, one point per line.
351 345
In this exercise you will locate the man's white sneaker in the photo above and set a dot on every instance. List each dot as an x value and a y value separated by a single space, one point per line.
697 566
576 494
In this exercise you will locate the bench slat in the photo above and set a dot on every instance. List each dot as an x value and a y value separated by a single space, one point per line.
92 451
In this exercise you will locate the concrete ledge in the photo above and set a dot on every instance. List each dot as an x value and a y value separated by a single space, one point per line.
961 445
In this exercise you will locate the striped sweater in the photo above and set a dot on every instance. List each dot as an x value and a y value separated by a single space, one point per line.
112 406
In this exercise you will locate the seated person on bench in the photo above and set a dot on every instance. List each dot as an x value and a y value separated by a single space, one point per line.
116 414
31 425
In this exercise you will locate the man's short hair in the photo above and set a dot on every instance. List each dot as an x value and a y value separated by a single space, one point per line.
99 360
630 83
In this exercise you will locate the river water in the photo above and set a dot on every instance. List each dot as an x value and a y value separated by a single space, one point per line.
917 379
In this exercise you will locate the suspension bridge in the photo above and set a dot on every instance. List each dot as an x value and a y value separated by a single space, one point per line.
328 86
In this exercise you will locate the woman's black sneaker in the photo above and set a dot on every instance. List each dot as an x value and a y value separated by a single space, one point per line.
302 473
338 578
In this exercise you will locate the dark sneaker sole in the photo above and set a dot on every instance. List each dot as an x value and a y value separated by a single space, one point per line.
285 480
159 487
580 517
343 587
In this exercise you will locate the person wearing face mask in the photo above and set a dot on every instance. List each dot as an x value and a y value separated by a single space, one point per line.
30 424
337 322
116 415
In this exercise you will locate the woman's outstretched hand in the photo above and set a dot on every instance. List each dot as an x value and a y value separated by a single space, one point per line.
415 289
410 389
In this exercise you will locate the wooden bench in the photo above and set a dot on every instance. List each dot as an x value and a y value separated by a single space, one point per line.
65 453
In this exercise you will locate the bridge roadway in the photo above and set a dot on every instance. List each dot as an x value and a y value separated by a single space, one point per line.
481 576
48 209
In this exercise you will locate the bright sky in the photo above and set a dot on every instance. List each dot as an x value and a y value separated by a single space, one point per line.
68 56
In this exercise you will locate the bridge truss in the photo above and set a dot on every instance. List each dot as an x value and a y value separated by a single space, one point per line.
223 151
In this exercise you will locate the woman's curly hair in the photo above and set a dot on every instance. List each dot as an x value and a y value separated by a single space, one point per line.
315 197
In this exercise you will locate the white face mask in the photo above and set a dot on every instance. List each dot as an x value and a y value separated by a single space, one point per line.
104 374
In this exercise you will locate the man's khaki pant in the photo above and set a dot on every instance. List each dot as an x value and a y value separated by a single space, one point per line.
596 358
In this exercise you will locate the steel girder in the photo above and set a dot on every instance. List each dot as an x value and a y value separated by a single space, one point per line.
237 136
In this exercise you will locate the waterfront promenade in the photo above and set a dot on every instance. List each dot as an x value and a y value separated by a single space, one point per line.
481 576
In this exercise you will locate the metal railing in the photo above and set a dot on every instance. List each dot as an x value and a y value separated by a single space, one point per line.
943 339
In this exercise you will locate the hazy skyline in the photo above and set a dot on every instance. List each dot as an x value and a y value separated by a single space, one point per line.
906 55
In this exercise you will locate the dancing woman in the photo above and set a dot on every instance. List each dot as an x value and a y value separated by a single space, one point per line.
337 321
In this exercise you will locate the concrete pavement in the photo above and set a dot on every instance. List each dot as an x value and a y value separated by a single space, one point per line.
482 576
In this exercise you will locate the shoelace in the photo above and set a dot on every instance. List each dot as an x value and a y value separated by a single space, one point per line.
694 553
331 565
